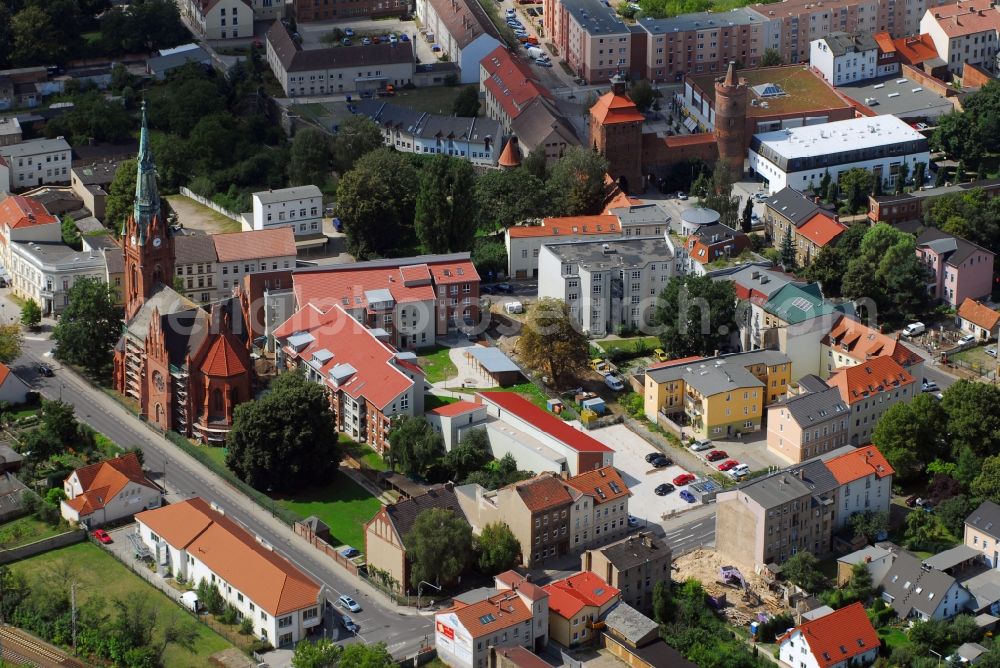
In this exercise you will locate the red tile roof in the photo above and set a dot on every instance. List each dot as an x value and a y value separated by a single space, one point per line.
511 154
511 81
681 360
834 638
267 578
978 314
517 582
542 492
859 464
521 657
546 422
104 480
568 226
821 229
17 211
612 108
861 342
879 374
484 618
915 50
225 357
255 244
966 18
455 408
621 201
4 372
604 484
885 43
568 597
376 375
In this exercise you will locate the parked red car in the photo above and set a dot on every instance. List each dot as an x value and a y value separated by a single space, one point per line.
683 479
102 535
716 455
728 464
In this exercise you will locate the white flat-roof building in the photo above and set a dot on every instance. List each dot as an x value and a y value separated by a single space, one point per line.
300 208
45 271
34 163
796 157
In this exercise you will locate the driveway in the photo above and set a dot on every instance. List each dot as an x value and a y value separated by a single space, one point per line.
641 478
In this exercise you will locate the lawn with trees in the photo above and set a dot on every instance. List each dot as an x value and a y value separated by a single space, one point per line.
552 344
696 315
89 326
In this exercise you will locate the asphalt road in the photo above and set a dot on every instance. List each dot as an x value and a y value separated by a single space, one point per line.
694 534
185 477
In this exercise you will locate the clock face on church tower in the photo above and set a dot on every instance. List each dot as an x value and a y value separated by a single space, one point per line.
156 242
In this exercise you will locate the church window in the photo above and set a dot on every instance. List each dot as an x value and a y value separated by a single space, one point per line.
217 399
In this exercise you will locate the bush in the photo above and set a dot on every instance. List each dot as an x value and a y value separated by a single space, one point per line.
633 404
246 626
229 615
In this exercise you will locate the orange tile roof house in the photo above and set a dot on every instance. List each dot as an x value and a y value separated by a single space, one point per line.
865 479
843 637
576 603
369 381
108 491
196 540
24 219
869 389
816 233
979 319
850 342
600 507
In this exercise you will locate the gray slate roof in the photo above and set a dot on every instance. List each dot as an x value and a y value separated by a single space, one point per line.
425 125
906 575
630 623
950 558
190 248
842 43
723 363
184 325
295 59
986 518
635 551
815 408
628 252
404 513
287 194
985 589
538 120
793 205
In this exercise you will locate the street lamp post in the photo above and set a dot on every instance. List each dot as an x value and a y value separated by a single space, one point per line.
420 590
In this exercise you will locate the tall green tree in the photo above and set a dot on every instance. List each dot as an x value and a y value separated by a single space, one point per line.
802 568
414 444
788 251
470 454
36 39
440 545
505 197
536 164
10 342
498 548
376 201
771 58
70 233
446 206
887 270
285 440
746 221
551 342
320 654
310 161
576 184
121 195
855 185
356 136
31 314
696 315
642 94
361 655
719 196
466 103
973 419
89 326
911 435
986 485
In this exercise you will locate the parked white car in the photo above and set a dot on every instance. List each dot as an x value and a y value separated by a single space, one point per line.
614 383
914 328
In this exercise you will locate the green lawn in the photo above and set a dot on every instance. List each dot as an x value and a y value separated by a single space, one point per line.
432 401
26 530
529 391
343 505
648 343
216 454
893 637
433 99
437 365
977 358
100 574
364 453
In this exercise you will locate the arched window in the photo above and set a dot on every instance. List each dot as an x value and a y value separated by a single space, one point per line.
217 400
159 413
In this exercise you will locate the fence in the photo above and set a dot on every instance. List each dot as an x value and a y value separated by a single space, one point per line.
211 205
44 545
306 532
988 373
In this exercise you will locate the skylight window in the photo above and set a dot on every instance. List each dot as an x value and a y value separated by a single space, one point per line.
486 619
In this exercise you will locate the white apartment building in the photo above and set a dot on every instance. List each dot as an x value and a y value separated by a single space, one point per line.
607 284
220 19
300 208
796 157
965 32
34 163
524 242
45 271
865 479
197 541
464 31
843 58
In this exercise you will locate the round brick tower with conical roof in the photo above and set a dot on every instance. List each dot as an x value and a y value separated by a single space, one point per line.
731 120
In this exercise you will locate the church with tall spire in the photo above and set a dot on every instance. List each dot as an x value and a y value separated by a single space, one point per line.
181 362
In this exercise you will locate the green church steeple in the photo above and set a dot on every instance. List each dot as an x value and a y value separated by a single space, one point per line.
147 199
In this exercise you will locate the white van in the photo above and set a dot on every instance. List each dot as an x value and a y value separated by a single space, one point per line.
914 328
536 52
513 307
614 383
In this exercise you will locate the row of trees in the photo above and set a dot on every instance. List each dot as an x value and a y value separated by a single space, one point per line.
324 654
442 547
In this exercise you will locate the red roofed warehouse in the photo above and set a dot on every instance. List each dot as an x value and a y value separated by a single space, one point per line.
413 300
576 604
368 380
195 540
843 637
869 389
108 491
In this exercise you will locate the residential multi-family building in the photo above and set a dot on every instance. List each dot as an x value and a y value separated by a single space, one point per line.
869 389
524 242
590 37
956 267
964 33
607 284
785 210
24 219
369 382
508 85
537 511
767 520
841 638
108 491
982 532
816 233
464 31
415 300
910 207
531 594
326 10
542 127
801 156
197 541
300 208
539 440
91 183
478 140
633 565
807 424
916 590
197 270
979 319
387 533
219 19
850 342
844 58
600 507
865 483
711 245
717 396
340 69
577 605
44 271
33 163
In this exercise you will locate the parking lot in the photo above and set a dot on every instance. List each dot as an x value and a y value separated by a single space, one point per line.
641 478
312 33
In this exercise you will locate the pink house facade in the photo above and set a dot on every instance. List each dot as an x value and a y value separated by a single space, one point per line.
958 268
